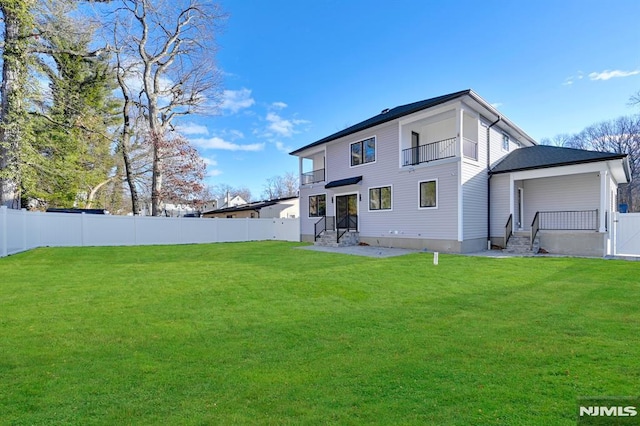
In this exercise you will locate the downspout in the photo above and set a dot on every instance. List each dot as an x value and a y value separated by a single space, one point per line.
489 181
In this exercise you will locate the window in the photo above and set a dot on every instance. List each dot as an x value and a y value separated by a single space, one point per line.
363 152
317 205
428 194
505 142
380 198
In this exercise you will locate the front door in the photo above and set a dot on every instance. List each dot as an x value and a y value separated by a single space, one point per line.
347 211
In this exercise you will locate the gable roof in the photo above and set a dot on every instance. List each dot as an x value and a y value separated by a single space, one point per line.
543 156
387 115
403 110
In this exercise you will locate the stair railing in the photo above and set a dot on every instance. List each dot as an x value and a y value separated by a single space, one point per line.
319 227
346 223
535 227
508 230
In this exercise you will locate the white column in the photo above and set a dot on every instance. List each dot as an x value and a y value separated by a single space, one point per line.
459 126
512 190
604 176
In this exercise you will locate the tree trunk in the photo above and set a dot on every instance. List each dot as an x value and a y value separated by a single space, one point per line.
13 73
124 146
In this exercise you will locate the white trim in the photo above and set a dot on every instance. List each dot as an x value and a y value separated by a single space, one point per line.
375 153
390 186
428 164
511 197
504 134
344 194
604 175
460 125
521 206
573 169
437 197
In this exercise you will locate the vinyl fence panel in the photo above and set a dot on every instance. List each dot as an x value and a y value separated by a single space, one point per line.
627 234
21 230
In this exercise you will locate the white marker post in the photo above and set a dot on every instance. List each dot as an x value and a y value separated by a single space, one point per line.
435 257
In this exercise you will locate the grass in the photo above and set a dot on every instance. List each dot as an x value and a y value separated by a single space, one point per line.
264 333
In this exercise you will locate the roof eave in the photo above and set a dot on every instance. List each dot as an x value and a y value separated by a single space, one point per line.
346 132
566 163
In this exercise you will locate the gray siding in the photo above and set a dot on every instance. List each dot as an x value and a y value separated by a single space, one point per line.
499 204
571 192
497 153
405 219
474 187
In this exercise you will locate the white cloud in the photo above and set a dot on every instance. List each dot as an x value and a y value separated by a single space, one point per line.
211 164
192 129
279 105
282 126
219 143
283 148
235 100
496 105
607 74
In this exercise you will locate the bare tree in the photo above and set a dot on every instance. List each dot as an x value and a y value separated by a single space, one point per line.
620 136
561 140
222 190
172 46
635 99
281 186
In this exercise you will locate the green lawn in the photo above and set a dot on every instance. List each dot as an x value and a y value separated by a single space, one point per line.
265 333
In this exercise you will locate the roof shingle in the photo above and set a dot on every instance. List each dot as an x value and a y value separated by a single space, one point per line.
543 156
387 115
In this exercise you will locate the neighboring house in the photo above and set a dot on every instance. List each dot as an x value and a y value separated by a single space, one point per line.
230 201
288 207
453 174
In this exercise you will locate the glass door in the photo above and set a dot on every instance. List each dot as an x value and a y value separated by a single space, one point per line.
347 211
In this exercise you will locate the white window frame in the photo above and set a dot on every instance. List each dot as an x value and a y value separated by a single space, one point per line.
420 194
507 139
369 198
309 205
375 152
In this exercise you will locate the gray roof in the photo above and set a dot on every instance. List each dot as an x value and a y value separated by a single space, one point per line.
387 115
543 156
257 205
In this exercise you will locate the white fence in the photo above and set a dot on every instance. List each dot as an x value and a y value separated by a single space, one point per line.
626 233
21 230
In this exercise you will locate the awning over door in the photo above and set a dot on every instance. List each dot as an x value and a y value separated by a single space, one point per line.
343 182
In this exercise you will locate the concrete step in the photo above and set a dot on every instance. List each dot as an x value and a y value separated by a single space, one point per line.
328 239
519 244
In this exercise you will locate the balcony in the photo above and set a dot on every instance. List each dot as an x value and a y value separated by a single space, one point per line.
429 152
312 177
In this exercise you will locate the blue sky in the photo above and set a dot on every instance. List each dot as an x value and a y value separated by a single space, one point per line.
298 70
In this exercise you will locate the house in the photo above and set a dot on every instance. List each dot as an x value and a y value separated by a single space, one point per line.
229 201
287 207
453 174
